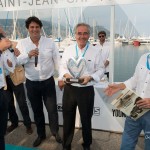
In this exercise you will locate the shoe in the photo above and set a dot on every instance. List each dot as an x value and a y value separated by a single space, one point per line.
58 138
38 141
29 130
11 127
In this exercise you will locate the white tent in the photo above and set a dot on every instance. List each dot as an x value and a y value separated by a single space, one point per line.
10 5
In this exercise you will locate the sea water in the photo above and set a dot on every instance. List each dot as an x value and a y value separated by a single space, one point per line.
126 58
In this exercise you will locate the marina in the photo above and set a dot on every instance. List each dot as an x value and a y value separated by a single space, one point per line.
126 57
129 37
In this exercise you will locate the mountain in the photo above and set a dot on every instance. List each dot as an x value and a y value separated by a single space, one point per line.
21 31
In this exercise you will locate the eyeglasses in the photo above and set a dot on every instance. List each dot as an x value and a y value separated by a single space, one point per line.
101 36
82 33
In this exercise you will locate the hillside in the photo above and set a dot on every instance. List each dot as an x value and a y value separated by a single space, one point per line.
21 31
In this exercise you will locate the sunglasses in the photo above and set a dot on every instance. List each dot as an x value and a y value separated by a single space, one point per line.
101 36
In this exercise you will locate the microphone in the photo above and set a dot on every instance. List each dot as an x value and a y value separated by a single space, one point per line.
36 59
1 37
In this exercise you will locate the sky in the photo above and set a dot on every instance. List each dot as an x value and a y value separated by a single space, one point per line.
129 19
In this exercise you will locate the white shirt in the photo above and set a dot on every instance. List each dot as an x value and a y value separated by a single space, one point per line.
3 64
94 66
9 56
48 58
104 52
141 78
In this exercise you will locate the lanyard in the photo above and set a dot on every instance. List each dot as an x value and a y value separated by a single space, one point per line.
147 63
83 54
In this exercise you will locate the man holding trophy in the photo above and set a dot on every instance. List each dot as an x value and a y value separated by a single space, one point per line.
81 67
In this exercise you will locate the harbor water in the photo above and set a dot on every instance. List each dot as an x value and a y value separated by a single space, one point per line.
125 60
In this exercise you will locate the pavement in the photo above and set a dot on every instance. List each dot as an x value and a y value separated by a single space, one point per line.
102 140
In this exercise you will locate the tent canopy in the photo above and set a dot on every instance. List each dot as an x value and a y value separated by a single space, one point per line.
10 5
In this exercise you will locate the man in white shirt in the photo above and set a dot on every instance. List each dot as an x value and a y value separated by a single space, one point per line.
40 57
141 82
80 94
4 44
104 49
18 91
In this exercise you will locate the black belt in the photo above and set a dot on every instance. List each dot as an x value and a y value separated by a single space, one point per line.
41 81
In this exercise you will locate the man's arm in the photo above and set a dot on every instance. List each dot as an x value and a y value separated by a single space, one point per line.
24 56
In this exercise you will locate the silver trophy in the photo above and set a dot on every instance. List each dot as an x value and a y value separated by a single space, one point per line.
76 68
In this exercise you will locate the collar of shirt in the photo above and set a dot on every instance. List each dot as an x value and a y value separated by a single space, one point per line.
40 41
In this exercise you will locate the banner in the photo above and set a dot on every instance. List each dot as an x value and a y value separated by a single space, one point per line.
10 5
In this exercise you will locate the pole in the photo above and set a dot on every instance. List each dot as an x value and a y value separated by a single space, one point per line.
112 33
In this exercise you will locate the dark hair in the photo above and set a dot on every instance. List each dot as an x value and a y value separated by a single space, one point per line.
82 24
102 32
33 19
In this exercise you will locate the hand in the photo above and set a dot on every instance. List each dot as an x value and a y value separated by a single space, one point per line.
14 44
106 63
67 76
4 44
16 52
33 52
144 103
61 84
113 88
9 63
86 79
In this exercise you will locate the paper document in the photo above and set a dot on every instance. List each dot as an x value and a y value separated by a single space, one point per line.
126 102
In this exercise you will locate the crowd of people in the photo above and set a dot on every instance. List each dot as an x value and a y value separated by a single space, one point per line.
40 58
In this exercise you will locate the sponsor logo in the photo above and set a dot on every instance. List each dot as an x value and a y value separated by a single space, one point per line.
117 113
147 137
59 108
96 111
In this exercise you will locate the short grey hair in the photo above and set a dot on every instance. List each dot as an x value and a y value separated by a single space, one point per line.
82 24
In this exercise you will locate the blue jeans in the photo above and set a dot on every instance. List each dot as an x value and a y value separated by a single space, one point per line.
132 131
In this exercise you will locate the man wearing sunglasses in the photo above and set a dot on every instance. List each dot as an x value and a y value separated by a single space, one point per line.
104 48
